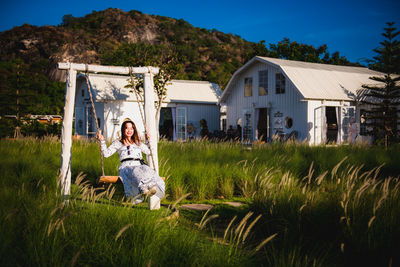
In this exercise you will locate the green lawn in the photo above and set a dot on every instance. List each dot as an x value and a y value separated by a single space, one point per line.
303 206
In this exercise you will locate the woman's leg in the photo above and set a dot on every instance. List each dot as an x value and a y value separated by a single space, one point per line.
147 178
130 184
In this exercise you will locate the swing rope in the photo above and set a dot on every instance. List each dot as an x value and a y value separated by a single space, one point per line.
95 115
141 115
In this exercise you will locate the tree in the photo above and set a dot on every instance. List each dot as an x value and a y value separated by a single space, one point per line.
14 96
25 89
302 52
161 80
67 20
142 54
383 98
388 58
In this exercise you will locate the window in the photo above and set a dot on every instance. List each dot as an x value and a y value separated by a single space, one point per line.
280 83
288 122
248 86
263 82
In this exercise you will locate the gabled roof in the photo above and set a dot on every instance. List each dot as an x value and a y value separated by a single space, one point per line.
112 87
314 80
192 91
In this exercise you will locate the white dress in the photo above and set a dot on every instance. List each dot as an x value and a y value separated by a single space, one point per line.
135 177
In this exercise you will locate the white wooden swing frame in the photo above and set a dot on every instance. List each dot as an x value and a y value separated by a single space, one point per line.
70 90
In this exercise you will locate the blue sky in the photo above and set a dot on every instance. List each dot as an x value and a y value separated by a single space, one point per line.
352 27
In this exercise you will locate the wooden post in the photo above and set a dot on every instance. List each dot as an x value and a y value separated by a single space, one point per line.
149 113
106 69
66 134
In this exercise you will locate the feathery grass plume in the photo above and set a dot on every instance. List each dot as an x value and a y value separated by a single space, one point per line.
110 192
265 181
76 256
79 179
121 231
310 173
229 226
264 242
179 200
239 229
235 236
204 220
57 223
371 221
321 177
251 225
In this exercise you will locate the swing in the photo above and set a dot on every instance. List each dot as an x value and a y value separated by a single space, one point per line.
107 179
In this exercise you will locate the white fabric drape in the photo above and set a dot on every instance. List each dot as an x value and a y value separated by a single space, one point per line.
256 115
173 113
339 125
324 125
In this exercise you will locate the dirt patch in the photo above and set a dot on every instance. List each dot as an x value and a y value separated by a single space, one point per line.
234 204
197 207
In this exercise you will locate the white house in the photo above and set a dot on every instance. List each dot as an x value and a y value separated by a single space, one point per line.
186 103
271 97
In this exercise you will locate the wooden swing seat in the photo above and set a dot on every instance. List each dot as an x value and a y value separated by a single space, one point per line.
109 179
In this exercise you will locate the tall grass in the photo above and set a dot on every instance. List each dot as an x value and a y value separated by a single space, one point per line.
95 228
210 170
308 206
346 214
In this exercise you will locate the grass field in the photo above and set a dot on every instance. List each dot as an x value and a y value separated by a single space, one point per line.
304 206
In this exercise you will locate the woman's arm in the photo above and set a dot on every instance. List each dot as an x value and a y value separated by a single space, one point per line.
111 149
144 148
108 151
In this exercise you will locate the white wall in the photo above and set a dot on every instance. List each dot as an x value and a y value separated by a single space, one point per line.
111 113
289 103
82 102
114 114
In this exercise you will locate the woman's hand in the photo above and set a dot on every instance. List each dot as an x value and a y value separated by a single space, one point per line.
147 136
99 136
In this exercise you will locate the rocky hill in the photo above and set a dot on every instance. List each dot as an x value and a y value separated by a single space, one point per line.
86 39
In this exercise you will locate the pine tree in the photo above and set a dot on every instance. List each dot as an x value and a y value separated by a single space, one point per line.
383 97
388 58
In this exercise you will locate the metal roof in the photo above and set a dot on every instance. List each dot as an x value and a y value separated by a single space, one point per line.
112 87
314 80
192 91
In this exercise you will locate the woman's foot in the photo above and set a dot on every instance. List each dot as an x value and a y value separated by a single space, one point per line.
138 200
148 192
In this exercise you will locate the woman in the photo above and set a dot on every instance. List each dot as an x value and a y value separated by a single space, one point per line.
136 178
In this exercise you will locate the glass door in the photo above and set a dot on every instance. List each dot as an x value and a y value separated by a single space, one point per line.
181 120
90 122
247 127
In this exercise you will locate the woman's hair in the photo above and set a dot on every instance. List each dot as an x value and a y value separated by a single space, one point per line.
135 135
